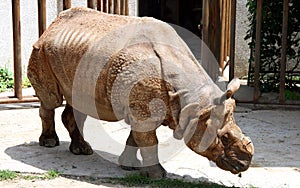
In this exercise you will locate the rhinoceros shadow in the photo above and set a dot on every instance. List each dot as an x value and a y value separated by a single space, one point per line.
62 160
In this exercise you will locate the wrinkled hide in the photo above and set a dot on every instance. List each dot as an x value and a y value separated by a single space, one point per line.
115 67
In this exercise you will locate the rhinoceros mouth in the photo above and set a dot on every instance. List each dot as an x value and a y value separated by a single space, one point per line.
234 166
237 154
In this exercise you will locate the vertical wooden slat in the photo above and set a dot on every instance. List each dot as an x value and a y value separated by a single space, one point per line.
283 50
42 16
232 38
228 29
91 4
214 28
102 5
205 23
110 6
223 34
257 50
127 8
67 4
99 5
122 7
17 48
117 6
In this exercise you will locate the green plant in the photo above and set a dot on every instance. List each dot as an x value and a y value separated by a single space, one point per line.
137 180
6 79
25 82
7 174
290 95
51 174
271 36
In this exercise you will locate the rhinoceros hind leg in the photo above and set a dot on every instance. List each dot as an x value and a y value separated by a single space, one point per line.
128 159
74 125
48 137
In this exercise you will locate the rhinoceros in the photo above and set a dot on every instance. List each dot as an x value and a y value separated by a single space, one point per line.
113 68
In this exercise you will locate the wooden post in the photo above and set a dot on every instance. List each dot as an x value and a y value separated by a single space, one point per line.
227 32
42 16
223 34
102 5
67 4
283 50
17 48
205 42
91 4
232 38
110 6
122 7
257 50
126 8
117 6
214 28
99 5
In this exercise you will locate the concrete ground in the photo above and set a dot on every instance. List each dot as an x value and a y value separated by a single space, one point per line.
275 134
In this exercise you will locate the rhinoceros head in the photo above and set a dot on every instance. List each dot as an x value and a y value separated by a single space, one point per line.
215 135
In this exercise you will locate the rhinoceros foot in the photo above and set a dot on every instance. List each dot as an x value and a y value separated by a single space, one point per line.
129 162
49 140
81 148
154 172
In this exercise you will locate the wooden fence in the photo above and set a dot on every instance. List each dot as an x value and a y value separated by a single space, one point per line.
283 51
218 21
218 34
108 6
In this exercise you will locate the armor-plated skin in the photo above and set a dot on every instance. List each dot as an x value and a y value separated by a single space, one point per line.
112 67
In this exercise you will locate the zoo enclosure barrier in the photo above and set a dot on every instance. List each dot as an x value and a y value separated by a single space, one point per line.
283 51
109 6
224 27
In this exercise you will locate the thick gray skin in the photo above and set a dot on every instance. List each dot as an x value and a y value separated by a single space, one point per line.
121 64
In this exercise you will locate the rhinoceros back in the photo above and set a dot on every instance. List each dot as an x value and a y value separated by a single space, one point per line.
83 47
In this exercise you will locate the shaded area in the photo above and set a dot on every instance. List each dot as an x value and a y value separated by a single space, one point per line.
60 159
89 168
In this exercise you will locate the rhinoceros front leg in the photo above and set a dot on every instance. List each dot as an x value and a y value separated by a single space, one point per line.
148 145
48 137
128 159
78 144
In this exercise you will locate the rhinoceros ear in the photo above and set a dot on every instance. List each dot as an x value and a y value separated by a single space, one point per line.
232 87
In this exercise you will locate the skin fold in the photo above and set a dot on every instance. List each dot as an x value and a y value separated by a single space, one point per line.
113 67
